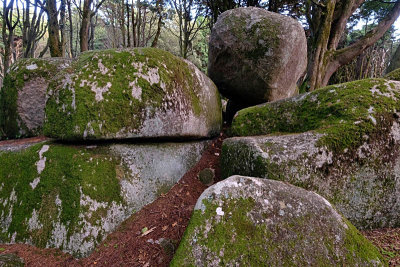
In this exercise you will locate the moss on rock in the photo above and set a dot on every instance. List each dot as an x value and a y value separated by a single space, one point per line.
70 197
245 221
393 75
143 92
344 113
362 184
256 56
12 125
46 190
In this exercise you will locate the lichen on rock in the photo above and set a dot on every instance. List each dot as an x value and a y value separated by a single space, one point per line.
70 197
245 221
136 93
23 96
256 56
341 141
338 111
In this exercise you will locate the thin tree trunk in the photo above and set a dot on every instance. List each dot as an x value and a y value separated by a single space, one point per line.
127 25
62 28
84 30
54 29
71 30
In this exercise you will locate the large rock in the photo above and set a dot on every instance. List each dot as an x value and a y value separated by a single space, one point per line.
244 221
256 56
23 96
344 144
137 93
71 197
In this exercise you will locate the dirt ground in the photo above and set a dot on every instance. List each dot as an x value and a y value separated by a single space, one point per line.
150 236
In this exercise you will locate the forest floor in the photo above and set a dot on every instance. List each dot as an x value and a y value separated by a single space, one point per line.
150 236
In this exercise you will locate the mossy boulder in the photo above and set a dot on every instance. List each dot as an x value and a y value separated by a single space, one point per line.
136 93
71 197
256 56
245 221
342 141
23 96
393 75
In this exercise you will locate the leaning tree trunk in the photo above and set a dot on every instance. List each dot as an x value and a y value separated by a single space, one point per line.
326 59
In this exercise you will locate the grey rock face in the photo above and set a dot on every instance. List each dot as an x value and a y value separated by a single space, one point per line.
256 56
245 221
71 197
364 187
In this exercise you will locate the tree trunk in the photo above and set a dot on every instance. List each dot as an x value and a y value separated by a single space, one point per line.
84 30
62 28
54 29
71 30
394 61
122 24
127 25
325 58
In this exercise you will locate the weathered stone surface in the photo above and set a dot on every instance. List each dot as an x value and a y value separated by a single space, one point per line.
256 56
349 151
71 197
23 96
11 260
137 93
244 221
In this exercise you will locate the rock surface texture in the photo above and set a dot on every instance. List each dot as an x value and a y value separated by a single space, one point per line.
137 93
256 56
341 141
11 260
71 197
23 96
244 221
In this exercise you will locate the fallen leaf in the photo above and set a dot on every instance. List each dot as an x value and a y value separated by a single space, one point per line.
148 231
165 228
174 224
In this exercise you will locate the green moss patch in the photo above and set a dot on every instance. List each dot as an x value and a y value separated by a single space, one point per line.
11 125
67 174
394 75
345 113
235 239
75 110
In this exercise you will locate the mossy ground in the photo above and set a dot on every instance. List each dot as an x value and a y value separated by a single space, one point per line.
341 112
68 172
12 83
236 239
119 110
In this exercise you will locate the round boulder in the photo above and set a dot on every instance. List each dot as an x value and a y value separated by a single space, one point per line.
23 96
245 221
136 93
256 56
